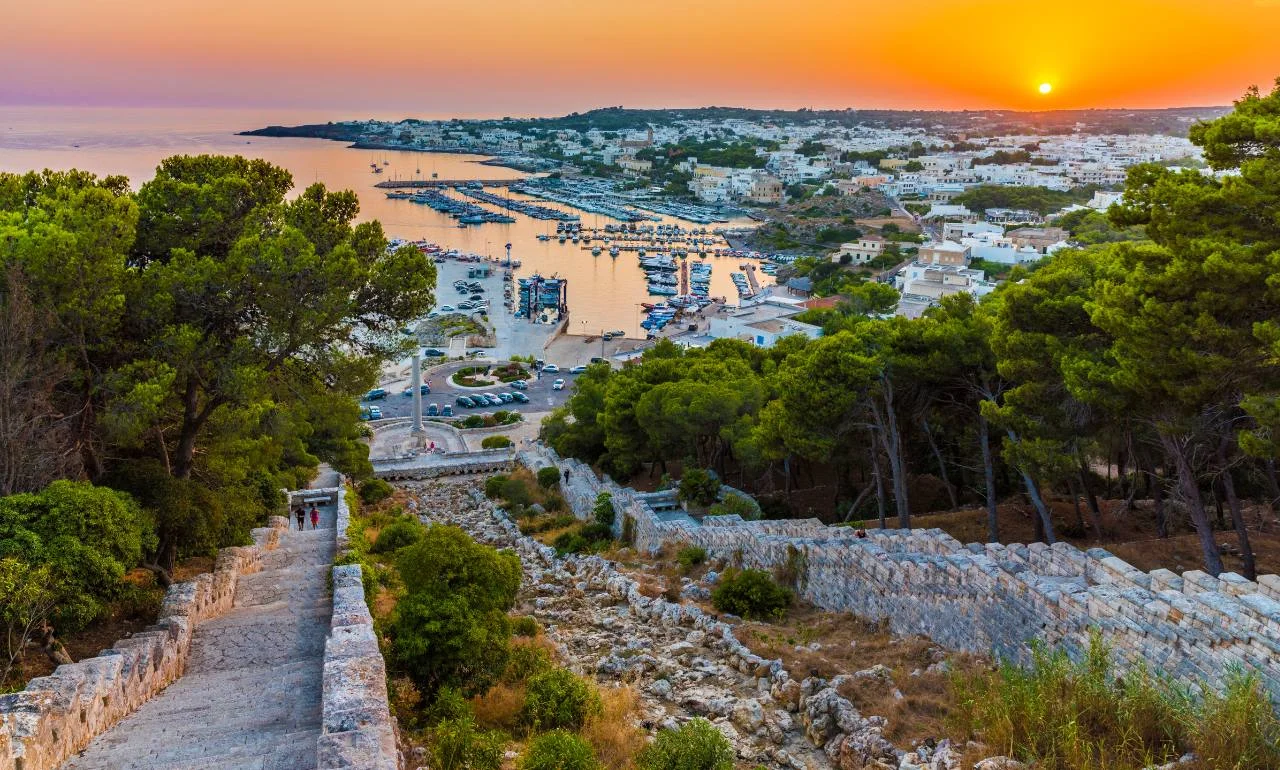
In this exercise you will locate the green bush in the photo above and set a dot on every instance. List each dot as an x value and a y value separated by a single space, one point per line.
559 699
473 421
495 442
596 532
525 625
451 628
750 594
527 660
456 744
603 509
515 492
570 542
558 750
548 477
554 501
690 556
397 535
696 745
735 505
698 487
449 705
494 484
375 491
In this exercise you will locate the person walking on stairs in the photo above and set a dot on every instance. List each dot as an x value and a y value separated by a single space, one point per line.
315 516
300 514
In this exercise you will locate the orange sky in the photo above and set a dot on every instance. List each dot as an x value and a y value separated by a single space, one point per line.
517 57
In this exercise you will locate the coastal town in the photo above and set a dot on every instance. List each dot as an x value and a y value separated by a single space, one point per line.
808 208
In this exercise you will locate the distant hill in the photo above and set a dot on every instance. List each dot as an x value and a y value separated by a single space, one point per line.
1173 121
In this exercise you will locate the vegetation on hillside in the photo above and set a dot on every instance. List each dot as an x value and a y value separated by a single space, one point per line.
1155 358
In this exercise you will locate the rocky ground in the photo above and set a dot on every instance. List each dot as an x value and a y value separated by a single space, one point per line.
685 662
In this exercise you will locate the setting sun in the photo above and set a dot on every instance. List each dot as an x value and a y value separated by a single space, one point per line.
1046 88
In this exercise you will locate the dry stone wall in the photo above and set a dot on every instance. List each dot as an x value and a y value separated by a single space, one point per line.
982 597
358 730
57 716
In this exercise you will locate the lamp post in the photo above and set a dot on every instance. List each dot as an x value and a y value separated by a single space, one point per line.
417 395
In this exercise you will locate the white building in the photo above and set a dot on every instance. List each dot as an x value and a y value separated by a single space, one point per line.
861 251
763 324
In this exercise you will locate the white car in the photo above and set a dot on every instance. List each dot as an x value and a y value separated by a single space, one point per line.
448 309
557 385
577 370
551 369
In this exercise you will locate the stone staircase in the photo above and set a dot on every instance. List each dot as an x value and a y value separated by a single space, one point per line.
251 695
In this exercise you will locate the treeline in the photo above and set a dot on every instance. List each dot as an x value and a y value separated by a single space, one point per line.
171 358
1039 199
1158 358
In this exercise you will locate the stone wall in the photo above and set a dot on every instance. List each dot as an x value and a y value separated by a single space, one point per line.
357 730
451 464
982 597
57 715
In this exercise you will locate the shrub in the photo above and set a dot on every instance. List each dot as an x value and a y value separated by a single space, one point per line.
525 625
397 535
570 542
696 745
554 501
751 594
559 699
548 477
493 485
603 509
473 421
735 505
456 744
375 491
558 750
495 442
1237 728
449 705
698 487
451 628
516 492
690 556
525 661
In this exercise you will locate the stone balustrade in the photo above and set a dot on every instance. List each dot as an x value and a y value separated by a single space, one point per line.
56 716
357 730
981 597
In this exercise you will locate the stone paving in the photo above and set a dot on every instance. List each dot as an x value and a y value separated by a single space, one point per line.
250 698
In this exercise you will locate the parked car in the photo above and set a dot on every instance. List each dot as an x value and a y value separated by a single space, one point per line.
434 353
520 385
538 363
557 385
371 413
577 370
446 411
551 369
597 360
617 333
493 400
448 309
506 398
375 394
464 402
425 388
520 397
433 410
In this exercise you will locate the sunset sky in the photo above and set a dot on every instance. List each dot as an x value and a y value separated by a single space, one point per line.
519 57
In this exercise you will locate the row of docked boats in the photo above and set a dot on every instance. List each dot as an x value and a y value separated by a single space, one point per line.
466 213
524 207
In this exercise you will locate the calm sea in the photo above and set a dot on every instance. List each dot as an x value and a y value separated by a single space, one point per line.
604 293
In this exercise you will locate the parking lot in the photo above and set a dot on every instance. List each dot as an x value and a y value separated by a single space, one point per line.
541 396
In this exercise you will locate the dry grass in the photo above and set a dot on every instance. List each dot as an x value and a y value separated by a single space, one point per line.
614 734
499 708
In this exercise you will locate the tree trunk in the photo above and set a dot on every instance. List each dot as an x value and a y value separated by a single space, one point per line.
989 475
1157 502
1095 513
1273 485
1237 515
875 471
887 422
1190 487
1046 521
52 648
1074 488
1217 505
942 465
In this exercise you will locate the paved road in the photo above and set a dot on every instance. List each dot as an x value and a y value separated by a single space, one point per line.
250 698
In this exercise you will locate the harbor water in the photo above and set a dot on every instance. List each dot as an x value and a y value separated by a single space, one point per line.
604 293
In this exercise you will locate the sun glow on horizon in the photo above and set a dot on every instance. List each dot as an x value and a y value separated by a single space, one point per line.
1046 88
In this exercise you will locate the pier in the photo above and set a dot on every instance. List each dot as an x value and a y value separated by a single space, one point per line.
394 184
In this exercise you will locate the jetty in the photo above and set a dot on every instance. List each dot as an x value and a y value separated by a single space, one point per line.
393 184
